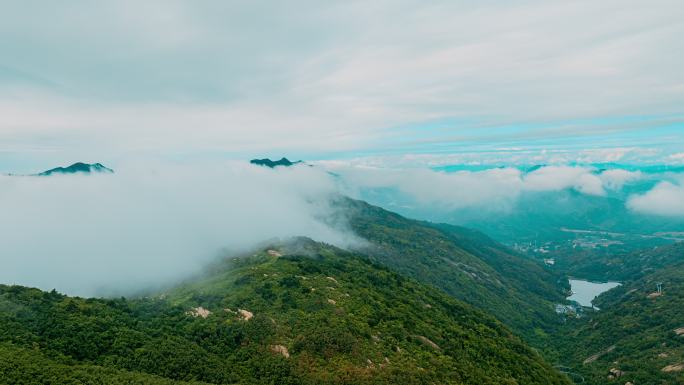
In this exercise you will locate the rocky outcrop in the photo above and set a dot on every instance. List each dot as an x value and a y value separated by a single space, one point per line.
199 312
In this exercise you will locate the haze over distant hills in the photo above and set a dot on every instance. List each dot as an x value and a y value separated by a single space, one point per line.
536 207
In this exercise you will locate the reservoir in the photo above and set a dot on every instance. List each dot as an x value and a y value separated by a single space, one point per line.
583 292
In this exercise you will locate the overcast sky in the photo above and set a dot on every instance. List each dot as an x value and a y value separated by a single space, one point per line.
107 80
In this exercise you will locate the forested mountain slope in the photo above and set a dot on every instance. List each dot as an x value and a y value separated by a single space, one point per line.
623 266
28 365
639 332
301 313
545 216
465 264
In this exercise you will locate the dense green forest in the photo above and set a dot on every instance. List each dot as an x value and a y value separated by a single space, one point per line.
607 265
638 331
542 217
420 303
29 365
303 312
465 264
638 335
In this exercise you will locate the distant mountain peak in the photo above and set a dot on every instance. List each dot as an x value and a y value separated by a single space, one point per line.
274 163
534 168
78 167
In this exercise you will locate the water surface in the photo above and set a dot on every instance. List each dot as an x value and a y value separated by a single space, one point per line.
583 292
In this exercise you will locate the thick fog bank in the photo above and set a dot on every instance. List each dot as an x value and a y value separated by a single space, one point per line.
501 189
96 234
151 224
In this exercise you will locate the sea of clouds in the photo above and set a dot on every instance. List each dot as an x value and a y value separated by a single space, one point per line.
501 187
90 234
149 224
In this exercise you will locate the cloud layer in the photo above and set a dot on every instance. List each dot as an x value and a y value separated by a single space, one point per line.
148 225
82 79
497 188
665 199
152 223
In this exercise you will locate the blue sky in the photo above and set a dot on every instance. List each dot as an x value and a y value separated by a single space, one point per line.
389 81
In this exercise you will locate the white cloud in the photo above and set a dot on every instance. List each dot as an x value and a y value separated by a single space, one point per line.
148 224
615 179
496 187
214 75
493 189
665 199
556 178
159 128
677 158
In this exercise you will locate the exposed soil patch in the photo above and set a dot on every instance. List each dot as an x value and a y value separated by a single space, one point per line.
199 312
598 355
245 315
428 342
673 368
280 349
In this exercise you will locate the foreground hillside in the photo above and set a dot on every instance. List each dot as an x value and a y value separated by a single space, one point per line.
24 365
465 264
638 332
303 313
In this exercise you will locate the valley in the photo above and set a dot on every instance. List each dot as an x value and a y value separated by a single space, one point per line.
636 334
414 192
584 292
408 301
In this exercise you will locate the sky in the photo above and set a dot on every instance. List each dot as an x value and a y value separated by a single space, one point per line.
383 82
443 101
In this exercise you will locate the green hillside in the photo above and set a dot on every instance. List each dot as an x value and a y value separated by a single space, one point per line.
314 315
638 332
29 365
545 217
465 264
623 266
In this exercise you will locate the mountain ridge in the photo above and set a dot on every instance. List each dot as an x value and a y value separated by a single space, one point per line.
78 167
266 162
465 263
298 312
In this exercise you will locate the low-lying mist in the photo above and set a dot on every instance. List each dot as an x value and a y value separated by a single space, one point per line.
515 205
499 190
151 224
110 234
